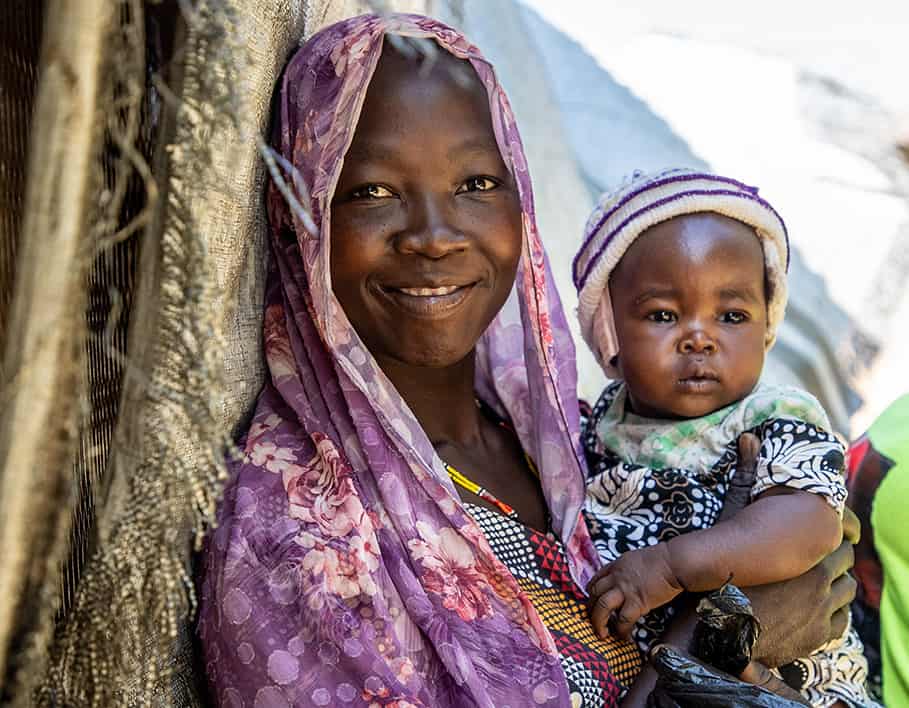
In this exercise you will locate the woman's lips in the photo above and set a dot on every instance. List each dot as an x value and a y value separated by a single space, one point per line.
429 292
428 302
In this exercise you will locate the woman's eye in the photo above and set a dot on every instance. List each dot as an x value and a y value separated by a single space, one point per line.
478 184
734 317
661 316
371 191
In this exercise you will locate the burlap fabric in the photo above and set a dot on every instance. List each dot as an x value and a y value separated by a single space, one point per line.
43 331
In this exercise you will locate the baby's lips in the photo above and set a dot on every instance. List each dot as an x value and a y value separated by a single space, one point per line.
698 372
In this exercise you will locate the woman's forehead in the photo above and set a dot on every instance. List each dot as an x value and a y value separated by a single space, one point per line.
424 71
406 90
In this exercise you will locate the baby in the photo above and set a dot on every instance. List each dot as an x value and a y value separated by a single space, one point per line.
682 285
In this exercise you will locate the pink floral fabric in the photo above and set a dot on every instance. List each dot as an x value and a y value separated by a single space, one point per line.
344 569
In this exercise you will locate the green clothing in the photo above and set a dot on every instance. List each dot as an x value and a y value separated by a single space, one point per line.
889 518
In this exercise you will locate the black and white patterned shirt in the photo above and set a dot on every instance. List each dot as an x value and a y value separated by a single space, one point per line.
651 480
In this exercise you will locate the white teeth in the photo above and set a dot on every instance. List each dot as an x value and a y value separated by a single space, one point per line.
429 292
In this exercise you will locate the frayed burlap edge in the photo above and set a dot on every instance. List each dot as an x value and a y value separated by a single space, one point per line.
121 639
44 348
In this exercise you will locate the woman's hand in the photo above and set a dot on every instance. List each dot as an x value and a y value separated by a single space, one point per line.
739 492
799 615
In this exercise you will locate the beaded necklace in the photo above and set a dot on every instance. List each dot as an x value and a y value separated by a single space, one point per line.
468 484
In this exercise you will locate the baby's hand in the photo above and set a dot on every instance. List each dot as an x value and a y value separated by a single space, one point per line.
630 587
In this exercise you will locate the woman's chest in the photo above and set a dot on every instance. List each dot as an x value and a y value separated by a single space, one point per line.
597 671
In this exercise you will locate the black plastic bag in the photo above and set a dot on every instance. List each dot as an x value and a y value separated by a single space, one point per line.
727 630
721 648
685 682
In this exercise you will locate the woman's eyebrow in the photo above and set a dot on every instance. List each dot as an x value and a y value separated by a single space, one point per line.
372 152
479 143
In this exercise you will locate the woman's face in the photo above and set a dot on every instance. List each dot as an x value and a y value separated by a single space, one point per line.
426 220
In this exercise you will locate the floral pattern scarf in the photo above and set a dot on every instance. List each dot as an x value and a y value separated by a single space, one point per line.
344 569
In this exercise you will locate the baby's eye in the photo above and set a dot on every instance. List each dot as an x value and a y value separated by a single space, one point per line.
662 316
371 191
477 184
734 317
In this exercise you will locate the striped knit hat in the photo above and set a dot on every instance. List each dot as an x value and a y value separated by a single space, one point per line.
646 200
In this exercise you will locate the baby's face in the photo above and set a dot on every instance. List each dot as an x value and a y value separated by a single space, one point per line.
691 315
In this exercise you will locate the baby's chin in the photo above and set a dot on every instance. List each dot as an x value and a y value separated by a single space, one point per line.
697 409
684 407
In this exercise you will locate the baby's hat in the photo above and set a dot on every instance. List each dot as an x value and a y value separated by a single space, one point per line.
645 200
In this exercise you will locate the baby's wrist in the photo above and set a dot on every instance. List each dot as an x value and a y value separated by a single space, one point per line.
678 561
697 565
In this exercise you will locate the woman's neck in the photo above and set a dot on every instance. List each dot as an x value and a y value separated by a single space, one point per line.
442 399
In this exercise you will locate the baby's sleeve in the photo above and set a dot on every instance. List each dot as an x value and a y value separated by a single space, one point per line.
803 456
838 671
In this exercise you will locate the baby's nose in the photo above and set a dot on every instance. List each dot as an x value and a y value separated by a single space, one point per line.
697 342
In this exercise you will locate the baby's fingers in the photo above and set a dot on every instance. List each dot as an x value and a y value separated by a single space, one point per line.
602 609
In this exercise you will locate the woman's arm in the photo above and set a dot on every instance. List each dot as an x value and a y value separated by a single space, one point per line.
679 634
797 616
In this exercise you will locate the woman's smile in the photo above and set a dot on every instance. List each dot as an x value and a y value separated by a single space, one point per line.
426 227
428 302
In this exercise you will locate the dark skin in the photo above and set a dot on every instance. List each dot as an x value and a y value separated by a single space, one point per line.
690 311
822 596
690 315
410 210
426 236
691 322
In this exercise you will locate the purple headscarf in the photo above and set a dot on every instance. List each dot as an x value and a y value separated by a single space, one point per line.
344 570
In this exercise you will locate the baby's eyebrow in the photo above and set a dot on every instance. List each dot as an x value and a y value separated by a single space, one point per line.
738 293
655 294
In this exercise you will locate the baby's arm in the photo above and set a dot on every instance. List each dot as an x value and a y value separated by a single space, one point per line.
779 536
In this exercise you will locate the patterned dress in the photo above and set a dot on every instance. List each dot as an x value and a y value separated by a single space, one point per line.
651 480
597 670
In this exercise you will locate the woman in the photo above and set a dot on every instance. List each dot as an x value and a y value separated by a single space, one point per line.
404 526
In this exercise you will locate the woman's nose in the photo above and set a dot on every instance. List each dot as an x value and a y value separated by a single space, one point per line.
431 231
697 341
